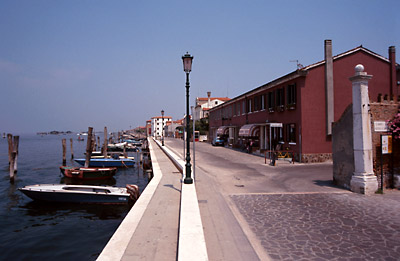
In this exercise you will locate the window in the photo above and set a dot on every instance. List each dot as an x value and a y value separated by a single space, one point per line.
271 101
256 103
291 94
291 133
263 102
249 105
280 101
280 135
244 106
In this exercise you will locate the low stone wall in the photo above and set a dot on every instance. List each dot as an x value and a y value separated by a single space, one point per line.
384 111
342 146
342 149
315 158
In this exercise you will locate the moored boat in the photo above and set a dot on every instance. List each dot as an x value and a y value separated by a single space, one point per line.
109 162
88 173
81 193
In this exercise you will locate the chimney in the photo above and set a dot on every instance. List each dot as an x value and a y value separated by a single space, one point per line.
329 87
393 78
209 99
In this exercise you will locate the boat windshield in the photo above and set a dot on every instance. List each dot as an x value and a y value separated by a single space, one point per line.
87 189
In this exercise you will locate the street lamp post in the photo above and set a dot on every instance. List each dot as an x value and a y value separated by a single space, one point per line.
187 67
162 131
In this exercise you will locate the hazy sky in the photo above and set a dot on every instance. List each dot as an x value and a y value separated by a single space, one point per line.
67 65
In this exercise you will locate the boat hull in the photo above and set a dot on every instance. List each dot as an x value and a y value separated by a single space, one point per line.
118 163
36 192
88 173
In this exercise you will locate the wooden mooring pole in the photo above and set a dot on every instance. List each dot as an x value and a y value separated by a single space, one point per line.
89 147
105 143
15 150
72 150
64 149
13 143
10 147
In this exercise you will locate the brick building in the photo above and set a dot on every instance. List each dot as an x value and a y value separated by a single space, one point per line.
297 110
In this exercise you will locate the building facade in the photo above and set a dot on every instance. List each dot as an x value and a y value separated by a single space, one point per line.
157 125
203 105
296 112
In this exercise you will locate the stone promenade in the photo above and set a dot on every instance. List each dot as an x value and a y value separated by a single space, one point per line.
324 226
292 211
250 210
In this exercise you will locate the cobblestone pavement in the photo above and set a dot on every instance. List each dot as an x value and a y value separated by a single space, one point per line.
324 226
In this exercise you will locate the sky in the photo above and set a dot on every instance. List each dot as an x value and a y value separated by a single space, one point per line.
71 64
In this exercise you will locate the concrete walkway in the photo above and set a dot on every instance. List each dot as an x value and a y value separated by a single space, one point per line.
243 209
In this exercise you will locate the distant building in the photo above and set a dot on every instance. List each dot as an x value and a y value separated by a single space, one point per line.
157 125
203 105
148 128
296 111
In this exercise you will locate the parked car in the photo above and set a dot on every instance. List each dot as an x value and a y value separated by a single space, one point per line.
218 142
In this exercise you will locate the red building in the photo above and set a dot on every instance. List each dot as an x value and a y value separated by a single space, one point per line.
296 111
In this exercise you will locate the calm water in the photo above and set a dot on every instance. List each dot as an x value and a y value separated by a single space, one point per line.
31 230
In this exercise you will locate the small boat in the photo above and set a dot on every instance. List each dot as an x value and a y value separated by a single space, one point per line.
109 162
88 173
114 157
81 193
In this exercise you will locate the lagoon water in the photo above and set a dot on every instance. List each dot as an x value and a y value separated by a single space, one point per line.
32 230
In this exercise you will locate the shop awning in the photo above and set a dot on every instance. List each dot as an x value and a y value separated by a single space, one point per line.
221 130
248 130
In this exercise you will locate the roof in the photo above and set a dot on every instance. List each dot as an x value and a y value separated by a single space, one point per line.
160 117
357 49
302 73
215 98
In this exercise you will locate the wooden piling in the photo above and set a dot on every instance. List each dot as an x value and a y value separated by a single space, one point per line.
12 163
98 142
64 149
72 150
10 147
15 150
94 141
89 147
105 143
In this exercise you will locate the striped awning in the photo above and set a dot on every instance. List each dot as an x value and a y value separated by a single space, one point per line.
221 130
248 130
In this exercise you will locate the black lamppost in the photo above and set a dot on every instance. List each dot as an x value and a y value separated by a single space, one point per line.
187 67
162 132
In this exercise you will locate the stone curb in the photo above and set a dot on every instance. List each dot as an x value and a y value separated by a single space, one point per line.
192 244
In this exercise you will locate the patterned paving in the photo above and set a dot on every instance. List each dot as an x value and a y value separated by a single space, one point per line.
324 226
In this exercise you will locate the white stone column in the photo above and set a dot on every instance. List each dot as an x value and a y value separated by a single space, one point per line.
363 180
262 137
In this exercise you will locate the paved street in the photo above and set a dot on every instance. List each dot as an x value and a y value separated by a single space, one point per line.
253 211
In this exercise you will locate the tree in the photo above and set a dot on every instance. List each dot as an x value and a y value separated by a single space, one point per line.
394 126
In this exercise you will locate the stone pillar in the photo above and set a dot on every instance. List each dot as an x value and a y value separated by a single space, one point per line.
262 137
329 99
363 180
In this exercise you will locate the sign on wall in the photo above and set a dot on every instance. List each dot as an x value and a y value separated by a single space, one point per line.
380 126
386 141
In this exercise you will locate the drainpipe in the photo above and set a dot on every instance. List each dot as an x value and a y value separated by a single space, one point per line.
329 86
